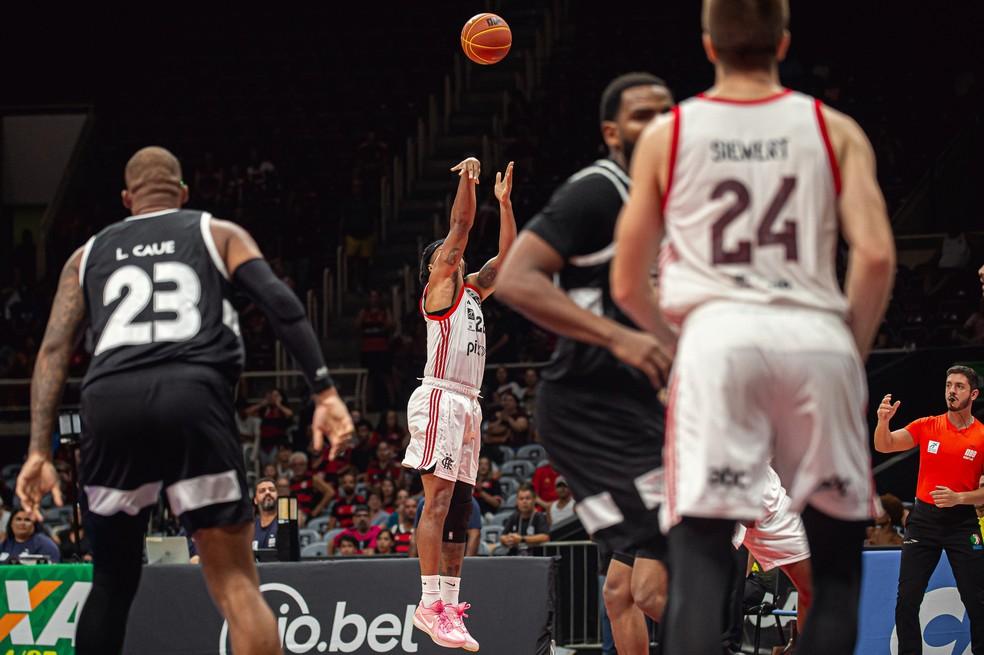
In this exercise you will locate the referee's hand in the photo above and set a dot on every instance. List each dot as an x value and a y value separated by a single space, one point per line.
643 351
886 410
331 417
946 497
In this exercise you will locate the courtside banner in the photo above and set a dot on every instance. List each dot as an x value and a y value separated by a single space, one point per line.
39 607
348 606
945 625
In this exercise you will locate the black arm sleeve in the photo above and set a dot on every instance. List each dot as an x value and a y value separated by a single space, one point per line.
286 314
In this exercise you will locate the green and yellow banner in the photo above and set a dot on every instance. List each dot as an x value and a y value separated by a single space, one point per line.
39 607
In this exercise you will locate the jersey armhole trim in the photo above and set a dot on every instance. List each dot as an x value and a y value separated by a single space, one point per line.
213 251
476 290
674 147
85 258
444 314
831 155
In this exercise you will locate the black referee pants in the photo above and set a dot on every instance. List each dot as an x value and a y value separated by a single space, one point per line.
930 531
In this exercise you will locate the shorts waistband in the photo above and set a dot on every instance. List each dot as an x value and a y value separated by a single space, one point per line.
454 387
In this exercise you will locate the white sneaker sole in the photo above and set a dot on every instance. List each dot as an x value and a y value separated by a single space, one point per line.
420 625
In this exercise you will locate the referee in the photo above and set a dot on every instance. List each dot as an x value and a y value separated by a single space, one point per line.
951 461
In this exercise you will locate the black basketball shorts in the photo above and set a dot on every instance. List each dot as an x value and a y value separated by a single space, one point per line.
167 428
608 444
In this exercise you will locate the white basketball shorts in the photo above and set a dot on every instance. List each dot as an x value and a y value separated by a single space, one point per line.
444 419
754 382
778 538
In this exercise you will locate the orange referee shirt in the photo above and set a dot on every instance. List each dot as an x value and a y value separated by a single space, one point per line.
948 457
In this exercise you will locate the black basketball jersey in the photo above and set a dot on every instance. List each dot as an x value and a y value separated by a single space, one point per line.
579 223
156 290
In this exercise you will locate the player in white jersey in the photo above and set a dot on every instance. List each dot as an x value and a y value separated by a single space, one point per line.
751 182
443 415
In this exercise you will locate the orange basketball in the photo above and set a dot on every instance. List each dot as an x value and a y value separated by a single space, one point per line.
486 38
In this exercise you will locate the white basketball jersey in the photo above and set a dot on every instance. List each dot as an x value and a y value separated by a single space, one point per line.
751 206
456 341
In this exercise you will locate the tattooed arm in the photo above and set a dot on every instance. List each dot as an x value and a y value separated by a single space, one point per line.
38 477
485 278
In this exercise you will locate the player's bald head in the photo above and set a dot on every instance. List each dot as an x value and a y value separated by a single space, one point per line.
153 170
746 33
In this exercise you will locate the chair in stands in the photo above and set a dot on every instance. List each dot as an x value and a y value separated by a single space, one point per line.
533 452
320 524
510 502
331 534
317 549
507 453
521 469
491 534
10 471
308 536
509 485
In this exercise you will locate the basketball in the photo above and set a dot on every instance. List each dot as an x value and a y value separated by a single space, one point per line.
486 39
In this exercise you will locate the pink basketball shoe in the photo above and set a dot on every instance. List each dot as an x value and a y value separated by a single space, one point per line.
458 616
436 621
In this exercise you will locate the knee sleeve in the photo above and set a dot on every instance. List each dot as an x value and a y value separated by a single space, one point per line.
459 513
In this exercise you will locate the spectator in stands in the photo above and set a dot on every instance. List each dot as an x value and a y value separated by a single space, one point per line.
363 533
545 484
343 511
364 443
377 515
269 471
531 384
980 276
26 538
376 326
330 469
405 524
512 416
275 418
562 508
384 466
247 424
312 492
4 519
283 461
72 548
385 544
503 383
972 331
488 491
398 506
526 527
283 486
887 530
359 227
347 546
390 495
265 527
393 432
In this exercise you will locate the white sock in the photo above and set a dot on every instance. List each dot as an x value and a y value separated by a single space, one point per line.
449 589
430 587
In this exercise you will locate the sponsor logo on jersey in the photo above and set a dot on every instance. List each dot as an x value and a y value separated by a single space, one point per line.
301 632
934 447
728 478
970 454
475 347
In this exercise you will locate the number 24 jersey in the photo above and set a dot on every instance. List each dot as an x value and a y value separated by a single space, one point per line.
156 290
751 206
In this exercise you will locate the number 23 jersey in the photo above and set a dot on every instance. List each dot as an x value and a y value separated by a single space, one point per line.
157 290
751 206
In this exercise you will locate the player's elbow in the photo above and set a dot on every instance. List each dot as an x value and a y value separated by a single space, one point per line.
876 258
622 288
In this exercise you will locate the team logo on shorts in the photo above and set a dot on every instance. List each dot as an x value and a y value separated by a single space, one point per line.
447 462
835 483
728 478
970 454
934 447
975 541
